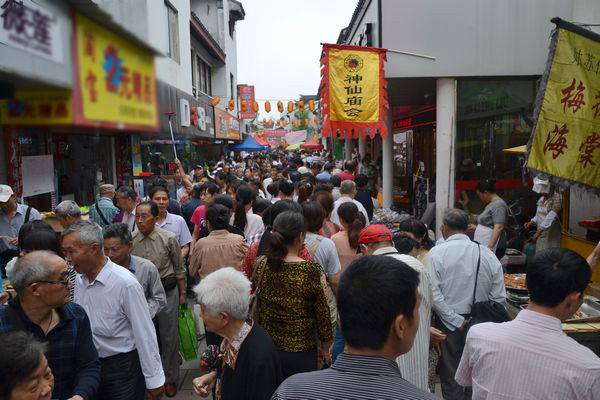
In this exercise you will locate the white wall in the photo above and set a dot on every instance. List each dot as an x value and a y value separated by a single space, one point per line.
470 37
370 15
177 74
587 12
208 12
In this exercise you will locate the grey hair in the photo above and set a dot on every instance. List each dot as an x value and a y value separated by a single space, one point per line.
225 290
456 219
30 268
89 232
127 192
67 208
347 187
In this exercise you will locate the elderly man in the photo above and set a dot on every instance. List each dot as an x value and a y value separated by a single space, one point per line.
42 308
118 244
127 200
12 217
103 211
162 249
123 331
452 268
67 212
251 368
531 357
378 302
377 240
347 193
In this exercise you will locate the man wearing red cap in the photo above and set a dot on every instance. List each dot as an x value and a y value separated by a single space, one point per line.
377 240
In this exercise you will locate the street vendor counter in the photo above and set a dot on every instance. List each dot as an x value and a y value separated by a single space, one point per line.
585 333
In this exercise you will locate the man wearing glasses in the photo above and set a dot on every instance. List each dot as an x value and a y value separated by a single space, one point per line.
42 308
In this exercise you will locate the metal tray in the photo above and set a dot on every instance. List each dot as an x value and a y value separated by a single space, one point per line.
591 308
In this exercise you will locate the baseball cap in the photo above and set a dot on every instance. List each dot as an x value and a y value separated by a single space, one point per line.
374 234
5 193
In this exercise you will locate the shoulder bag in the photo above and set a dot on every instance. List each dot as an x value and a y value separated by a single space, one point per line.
329 295
485 311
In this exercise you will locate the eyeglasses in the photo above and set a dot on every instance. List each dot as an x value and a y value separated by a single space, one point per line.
65 282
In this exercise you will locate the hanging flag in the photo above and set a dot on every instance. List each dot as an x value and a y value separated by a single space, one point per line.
565 143
353 89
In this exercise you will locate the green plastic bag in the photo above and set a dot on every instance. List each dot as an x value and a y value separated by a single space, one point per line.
188 342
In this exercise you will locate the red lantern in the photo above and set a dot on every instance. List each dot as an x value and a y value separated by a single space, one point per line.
316 121
290 106
280 106
254 107
264 121
244 106
267 106
231 105
311 105
278 123
285 122
215 101
301 105
293 122
307 121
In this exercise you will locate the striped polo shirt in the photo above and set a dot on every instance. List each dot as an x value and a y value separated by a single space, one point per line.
352 377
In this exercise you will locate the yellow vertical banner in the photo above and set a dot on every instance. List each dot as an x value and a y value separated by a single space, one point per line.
354 92
565 144
115 77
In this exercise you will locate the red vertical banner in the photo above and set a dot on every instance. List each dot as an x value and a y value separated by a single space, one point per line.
246 93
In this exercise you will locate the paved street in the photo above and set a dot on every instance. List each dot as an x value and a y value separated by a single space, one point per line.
189 370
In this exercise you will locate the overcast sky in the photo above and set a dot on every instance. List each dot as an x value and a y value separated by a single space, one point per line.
278 44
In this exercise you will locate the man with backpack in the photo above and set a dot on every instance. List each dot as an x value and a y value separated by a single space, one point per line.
103 211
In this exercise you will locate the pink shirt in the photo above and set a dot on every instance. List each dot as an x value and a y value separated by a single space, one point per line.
345 175
528 358
198 215
346 253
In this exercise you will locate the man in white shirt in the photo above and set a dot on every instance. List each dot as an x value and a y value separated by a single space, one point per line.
452 267
119 317
531 357
347 193
377 240
127 201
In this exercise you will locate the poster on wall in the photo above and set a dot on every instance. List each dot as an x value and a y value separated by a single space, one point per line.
138 186
38 175
226 126
136 155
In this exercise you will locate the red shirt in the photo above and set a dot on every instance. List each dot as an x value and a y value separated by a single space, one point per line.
346 175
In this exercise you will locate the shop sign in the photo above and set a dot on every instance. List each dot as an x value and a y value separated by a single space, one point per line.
185 112
226 126
565 143
29 27
37 107
247 97
115 77
276 138
136 155
201 112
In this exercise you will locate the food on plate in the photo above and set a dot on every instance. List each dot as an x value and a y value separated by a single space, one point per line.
580 314
515 281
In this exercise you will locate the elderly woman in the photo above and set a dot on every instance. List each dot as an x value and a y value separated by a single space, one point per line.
24 368
250 367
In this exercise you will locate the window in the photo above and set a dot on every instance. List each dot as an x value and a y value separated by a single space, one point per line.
173 31
204 76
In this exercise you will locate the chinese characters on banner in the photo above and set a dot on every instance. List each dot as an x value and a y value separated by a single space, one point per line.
37 107
276 138
226 126
247 97
565 143
29 27
116 78
353 90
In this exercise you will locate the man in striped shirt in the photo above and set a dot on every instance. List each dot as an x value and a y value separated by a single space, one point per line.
531 357
378 303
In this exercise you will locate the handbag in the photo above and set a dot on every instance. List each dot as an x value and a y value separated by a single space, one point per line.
485 311
188 341
261 266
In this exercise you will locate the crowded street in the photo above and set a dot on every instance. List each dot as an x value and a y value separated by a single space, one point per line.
281 200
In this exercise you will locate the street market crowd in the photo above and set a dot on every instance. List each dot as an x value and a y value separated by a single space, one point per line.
304 291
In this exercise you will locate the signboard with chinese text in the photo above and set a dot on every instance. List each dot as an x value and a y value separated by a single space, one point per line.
37 107
27 26
354 90
226 126
115 77
276 138
247 97
565 143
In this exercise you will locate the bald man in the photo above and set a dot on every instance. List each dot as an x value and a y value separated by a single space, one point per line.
42 307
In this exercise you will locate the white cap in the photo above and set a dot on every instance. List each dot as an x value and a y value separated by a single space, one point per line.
303 170
541 185
5 193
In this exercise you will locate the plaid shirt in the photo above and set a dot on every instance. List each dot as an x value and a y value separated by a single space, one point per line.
71 352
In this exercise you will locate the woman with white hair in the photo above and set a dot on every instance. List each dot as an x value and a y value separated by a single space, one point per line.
250 367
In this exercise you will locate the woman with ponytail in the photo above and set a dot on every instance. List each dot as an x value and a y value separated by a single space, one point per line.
243 217
346 241
291 304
